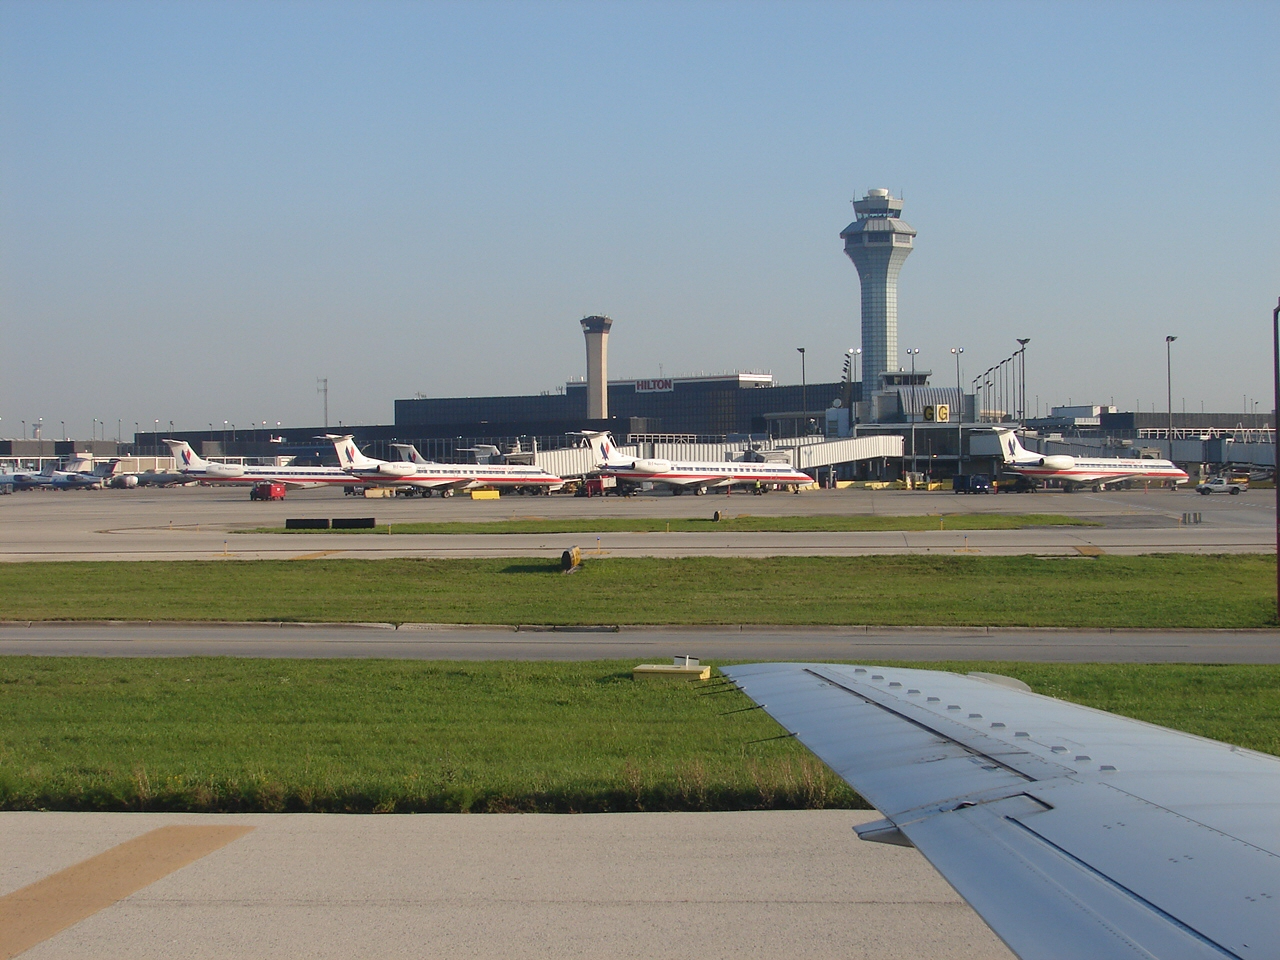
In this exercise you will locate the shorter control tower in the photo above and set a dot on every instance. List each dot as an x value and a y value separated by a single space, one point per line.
878 243
596 330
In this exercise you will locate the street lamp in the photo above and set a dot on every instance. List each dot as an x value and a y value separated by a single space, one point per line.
1022 404
1168 369
913 354
1275 360
960 419
64 428
804 388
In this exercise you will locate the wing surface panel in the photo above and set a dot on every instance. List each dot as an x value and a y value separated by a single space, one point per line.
1052 819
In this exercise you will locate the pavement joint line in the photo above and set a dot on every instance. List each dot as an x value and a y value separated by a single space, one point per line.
43 909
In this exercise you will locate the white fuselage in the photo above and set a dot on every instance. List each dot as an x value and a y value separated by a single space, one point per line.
694 473
1102 471
296 477
459 476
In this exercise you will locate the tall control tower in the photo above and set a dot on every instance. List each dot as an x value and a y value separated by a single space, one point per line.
596 330
877 243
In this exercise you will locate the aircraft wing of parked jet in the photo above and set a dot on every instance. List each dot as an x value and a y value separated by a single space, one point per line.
211 471
1077 471
696 475
1072 832
427 476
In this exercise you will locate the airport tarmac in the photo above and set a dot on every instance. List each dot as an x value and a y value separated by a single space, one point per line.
758 884
675 885
712 645
200 523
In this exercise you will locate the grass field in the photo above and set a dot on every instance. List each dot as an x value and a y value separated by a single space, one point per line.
381 736
1148 591
741 523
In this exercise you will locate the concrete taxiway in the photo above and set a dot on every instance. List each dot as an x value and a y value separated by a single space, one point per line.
195 523
713 645
676 885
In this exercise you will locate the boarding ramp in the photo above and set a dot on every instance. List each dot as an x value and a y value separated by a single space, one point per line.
803 453
847 451
573 462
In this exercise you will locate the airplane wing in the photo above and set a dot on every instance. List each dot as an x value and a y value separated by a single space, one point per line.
1071 831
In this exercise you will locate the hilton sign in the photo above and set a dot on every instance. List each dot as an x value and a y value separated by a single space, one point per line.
654 386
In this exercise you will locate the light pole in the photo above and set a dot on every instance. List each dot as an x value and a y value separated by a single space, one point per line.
804 389
913 354
960 419
1022 404
848 378
64 428
1168 372
1275 360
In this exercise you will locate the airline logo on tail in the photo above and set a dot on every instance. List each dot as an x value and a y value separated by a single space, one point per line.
349 453
186 456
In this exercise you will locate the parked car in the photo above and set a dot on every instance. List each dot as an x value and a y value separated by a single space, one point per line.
1221 485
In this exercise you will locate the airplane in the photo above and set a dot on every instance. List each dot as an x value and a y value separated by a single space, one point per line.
696 475
194 467
1071 831
1076 471
427 477
29 479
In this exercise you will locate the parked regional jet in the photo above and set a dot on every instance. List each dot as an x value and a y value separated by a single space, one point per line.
1072 832
1075 471
427 477
696 475
236 474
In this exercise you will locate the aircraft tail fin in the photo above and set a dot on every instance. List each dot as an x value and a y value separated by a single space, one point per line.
409 453
1011 449
186 458
349 455
603 447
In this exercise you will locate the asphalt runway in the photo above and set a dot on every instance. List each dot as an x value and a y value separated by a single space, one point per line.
202 523
715 645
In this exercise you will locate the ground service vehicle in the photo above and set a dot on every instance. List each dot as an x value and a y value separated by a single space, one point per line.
598 487
1220 485
267 491
971 483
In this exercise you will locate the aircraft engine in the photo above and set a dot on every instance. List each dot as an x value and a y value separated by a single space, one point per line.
228 470
398 468
653 466
126 481
1059 462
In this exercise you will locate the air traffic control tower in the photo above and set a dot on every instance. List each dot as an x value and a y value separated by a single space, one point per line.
877 243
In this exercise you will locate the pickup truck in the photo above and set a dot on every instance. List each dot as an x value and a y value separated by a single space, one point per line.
1220 485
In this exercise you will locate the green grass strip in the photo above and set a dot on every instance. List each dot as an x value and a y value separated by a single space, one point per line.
239 735
741 523
1147 591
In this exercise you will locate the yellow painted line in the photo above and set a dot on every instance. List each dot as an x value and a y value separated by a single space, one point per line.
38 911
1089 551
315 556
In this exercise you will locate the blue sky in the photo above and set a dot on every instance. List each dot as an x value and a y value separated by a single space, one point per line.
206 206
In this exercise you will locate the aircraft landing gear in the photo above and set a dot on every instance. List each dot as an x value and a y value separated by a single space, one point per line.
699 491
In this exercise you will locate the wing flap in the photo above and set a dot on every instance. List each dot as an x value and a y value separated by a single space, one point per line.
1039 900
1071 831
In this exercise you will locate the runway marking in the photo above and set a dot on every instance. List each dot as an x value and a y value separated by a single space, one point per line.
315 556
1089 551
38 911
